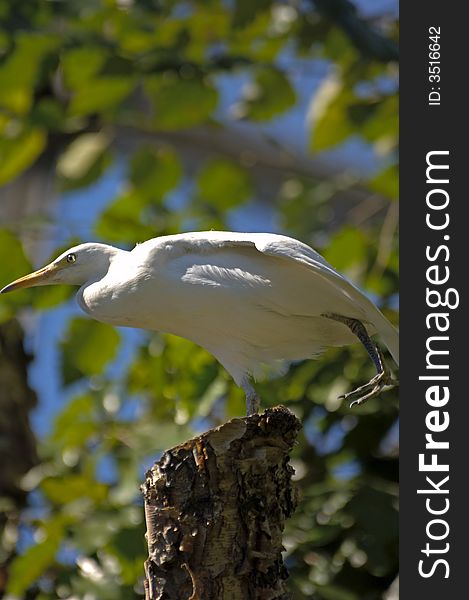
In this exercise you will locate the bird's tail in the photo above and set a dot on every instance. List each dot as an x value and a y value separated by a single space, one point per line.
390 337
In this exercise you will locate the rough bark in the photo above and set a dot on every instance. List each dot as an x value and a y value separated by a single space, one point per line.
215 510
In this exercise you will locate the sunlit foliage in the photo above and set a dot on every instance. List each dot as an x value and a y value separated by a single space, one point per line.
84 84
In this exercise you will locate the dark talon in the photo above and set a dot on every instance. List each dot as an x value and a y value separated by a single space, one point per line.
383 377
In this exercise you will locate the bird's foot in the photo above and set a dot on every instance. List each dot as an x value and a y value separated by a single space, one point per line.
253 404
380 382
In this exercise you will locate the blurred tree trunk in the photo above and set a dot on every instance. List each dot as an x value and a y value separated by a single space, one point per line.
215 509
26 204
17 442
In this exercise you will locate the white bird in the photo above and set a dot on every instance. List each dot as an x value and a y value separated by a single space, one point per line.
250 299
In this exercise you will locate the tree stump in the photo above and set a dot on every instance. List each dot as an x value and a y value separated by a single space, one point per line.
215 510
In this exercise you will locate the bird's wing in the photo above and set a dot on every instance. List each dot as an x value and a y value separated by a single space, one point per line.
207 241
292 250
301 287
297 251
278 246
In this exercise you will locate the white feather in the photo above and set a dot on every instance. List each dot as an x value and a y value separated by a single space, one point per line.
248 298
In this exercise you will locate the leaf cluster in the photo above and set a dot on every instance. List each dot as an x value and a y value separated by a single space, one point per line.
76 80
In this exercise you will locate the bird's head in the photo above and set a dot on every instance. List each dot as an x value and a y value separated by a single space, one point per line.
76 266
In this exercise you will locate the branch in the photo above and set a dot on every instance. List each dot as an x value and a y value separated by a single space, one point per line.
269 160
215 510
365 39
241 142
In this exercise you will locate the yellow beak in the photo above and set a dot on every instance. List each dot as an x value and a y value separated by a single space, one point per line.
37 278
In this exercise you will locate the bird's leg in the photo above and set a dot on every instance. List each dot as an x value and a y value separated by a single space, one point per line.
383 377
253 402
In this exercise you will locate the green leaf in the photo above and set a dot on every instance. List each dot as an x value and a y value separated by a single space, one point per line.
120 222
126 545
224 184
20 71
71 487
87 348
374 511
179 370
98 95
245 11
270 95
387 182
80 155
84 160
19 153
76 423
347 249
28 567
154 172
99 528
14 265
18 265
51 295
82 64
382 122
49 114
335 592
331 124
181 103
14 261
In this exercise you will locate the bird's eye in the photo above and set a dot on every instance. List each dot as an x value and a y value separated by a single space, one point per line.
71 258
